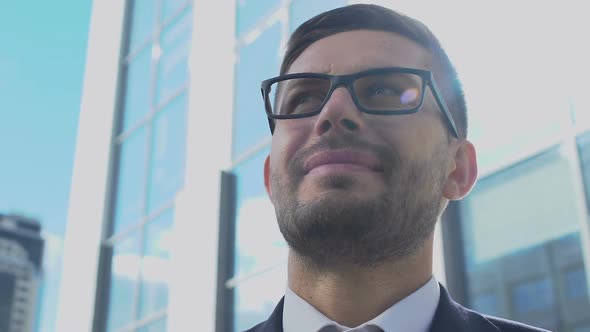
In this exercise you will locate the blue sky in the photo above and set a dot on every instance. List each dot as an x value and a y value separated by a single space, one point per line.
42 57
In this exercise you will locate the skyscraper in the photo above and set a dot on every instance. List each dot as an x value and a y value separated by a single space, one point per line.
21 251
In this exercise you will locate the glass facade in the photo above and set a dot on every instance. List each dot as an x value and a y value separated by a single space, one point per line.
523 231
521 235
150 164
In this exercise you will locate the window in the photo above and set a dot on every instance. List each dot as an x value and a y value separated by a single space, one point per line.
521 232
256 61
131 181
576 286
251 12
260 278
533 296
149 165
303 10
486 303
123 282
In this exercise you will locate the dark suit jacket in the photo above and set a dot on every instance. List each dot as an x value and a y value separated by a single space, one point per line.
449 317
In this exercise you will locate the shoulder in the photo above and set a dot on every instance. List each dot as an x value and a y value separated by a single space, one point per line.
274 322
506 325
451 316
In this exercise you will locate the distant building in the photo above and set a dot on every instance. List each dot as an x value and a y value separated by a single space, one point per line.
21 251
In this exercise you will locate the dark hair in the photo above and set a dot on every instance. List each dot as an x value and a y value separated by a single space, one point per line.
373 17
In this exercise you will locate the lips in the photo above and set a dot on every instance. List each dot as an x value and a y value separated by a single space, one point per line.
343 157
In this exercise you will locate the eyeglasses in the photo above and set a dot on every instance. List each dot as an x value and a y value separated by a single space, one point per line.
381 91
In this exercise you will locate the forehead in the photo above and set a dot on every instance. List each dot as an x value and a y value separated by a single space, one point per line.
353 51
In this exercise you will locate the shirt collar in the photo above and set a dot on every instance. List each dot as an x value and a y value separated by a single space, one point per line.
412 314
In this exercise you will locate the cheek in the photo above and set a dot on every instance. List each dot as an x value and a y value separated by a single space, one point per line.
289 137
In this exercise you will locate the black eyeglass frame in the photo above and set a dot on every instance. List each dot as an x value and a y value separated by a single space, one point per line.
347 81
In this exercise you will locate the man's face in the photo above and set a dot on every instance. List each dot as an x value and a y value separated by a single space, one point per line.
354 188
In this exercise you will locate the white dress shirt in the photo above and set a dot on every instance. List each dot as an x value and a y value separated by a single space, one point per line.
412 314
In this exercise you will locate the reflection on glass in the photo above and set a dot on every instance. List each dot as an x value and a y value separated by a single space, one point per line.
303 10
260 247
137 91
124 278
256 298
535 295
521 235
168 151
154 265
130 181
259 243
251 12
142 21
584 152
157 326
487 303
576 287
257 62
170 7
173 65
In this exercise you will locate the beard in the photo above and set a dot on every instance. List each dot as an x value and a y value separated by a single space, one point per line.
337 228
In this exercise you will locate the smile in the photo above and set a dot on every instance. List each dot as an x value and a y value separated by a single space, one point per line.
342 161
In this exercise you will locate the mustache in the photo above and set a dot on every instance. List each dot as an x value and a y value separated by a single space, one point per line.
387 155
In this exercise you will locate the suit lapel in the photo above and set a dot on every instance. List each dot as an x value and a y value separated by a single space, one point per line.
274 323
451 316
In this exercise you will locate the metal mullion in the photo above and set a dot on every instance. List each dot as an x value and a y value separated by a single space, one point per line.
176 13
235 281
137 50
141 223
142 322
180 90
253 150
147 162
151 114
267 21
573 156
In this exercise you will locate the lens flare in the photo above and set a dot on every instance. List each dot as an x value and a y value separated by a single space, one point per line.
409 96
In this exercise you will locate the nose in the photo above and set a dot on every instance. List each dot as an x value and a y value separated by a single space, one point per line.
339 113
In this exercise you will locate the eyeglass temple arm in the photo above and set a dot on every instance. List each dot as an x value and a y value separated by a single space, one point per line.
443 107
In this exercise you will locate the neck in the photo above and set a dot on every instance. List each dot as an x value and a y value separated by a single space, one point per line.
353 295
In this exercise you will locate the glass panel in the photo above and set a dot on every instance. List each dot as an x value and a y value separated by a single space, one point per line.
155 265
250 12
256 298
138 89
575 284
585 328
173 65
142 21
487 303
7 288
130 181
584 152
257 62
157 326
303 10
124 277
533 296
169 7
259 247
168 150
259 243
521 235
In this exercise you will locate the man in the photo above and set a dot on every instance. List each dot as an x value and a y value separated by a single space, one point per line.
367 150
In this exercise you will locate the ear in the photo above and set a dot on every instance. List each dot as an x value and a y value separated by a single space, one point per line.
267 176
464 174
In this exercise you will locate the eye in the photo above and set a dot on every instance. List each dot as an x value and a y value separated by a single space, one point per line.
383 90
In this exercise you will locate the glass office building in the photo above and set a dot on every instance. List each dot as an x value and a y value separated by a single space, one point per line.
169 223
